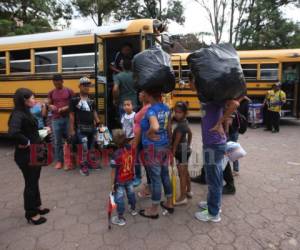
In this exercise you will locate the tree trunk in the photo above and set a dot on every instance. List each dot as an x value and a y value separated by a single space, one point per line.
231 21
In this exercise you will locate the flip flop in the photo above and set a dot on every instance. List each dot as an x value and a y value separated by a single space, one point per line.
142 213
169 209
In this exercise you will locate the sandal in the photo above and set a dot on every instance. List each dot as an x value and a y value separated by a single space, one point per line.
169 209
142 213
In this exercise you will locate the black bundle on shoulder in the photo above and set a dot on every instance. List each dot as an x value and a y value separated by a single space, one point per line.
153 71
218 73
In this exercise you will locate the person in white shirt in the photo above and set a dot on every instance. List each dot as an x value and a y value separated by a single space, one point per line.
127 120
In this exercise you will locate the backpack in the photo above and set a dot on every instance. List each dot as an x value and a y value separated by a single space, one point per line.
242 123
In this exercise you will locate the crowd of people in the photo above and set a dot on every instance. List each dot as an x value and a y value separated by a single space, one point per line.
146 138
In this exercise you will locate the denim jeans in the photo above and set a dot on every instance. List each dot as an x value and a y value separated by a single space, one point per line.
138 162
157 164
213 156
86 141
119 196
60 129
234 137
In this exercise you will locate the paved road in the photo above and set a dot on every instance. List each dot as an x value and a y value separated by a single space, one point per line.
264 213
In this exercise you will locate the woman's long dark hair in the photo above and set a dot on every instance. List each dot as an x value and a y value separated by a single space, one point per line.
20 97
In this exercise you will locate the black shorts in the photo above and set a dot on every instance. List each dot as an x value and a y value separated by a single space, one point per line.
182 157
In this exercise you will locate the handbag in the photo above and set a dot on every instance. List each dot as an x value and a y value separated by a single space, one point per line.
86 129
242 123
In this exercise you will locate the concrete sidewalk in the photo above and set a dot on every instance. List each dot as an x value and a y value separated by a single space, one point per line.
263 214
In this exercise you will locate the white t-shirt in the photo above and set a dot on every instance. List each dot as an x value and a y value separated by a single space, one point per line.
127 121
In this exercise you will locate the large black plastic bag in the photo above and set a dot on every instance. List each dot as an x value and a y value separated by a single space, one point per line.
153 71
218 73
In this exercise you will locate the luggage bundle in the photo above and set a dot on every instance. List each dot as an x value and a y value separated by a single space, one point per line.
218 73
153 71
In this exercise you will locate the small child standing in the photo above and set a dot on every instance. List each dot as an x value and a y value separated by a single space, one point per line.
127 119
181 149
122 164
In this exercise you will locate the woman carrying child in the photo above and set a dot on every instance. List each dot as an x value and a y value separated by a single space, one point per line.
181 149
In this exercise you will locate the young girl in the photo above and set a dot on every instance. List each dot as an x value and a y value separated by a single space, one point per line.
181 149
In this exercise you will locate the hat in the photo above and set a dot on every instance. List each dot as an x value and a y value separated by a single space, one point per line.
57 77
85 81
277 84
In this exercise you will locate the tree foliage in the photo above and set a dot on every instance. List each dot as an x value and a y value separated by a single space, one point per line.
252 24
98 10
265 26
151 9
216 12
24 16
190 41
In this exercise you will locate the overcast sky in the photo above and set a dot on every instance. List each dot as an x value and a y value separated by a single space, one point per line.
196 20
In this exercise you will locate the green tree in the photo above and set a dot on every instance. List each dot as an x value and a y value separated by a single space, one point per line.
265 26
151 9
191 41
98 10
24 16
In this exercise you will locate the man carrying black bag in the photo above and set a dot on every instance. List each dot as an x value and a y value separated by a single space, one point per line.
220 86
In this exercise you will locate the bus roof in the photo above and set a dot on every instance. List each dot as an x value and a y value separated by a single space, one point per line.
269 54
277 54
131 26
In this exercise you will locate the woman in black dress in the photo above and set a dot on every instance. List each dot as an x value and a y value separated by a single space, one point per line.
23 127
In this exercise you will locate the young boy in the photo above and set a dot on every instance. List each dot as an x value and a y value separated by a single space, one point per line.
127 119
122 164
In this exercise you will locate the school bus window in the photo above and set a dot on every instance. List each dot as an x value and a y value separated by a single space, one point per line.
20 61
176 71
46 60
250 71
269 72
78 58
2 63
185 70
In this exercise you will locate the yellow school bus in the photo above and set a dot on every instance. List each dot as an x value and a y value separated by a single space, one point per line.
31 60
262 68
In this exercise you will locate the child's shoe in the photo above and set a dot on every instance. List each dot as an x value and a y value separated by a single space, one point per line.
133 212
84 171
118 220
189 195
182 202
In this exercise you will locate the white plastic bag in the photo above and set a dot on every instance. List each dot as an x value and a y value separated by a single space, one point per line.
234 151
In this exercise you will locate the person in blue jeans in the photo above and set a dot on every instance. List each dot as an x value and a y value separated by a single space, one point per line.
122 164
83 118
58 100
214 117
156 134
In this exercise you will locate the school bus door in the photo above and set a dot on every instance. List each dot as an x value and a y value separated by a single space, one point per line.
100 79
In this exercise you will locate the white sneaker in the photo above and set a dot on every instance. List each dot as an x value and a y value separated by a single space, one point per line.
203 205
133 212
205 216
116 220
